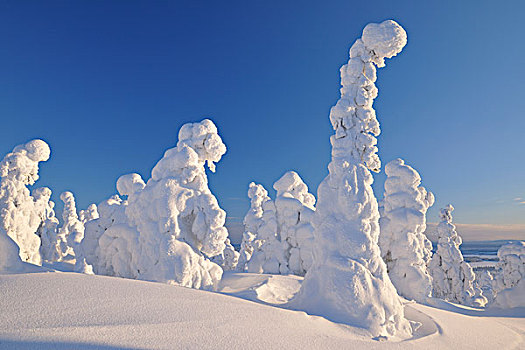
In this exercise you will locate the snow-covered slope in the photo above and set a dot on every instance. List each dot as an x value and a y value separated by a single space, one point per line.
69 310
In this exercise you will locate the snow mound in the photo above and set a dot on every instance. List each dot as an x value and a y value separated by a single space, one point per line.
510 278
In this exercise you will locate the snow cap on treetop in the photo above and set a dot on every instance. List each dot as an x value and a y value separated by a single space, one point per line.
129 184
385 39
22 163
203 138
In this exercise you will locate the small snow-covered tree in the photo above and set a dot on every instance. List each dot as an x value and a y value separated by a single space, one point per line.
295 208
229 258
173 224
453 278
510 276
404 247
348 280
91 213
485 281
19 215
47 231
246 252
73 231
261 220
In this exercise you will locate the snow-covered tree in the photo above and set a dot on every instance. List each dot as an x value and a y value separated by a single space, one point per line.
50 248
19 215
73 231
91 213
453 278
246 252
404 247
510 276
261 220
229 258
348 280
173 224
295 208
485 281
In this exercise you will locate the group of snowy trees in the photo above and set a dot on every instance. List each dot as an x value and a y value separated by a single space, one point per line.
357 255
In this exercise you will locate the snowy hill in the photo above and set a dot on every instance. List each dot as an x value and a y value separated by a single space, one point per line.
55 310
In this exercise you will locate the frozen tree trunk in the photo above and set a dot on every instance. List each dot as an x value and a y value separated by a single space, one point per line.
20 217
452 277
348 281
404 247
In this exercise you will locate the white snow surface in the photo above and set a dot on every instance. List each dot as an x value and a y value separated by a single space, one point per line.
404 247
348 280
76 311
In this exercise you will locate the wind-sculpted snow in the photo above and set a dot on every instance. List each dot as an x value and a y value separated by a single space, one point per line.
453 278
510 277
295 209
168 228
404 247
348 280
20 215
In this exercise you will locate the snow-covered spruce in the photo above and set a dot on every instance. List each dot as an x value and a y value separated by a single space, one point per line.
229 258
348 280
452 277
173 224
485 281
404 247
261 220
510 276
91 213
19 217
246 252
295 209
73 231
50 248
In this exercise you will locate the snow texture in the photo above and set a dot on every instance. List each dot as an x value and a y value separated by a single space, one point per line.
50 248
295 209
453 278
261 220
20 214
510 277
169 228
348 280
404 247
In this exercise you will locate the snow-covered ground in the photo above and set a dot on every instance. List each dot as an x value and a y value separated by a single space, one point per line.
64 310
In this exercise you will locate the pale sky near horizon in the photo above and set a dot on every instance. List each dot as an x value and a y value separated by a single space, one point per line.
108 85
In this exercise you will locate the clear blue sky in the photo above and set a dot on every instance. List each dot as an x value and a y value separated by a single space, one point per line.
108 84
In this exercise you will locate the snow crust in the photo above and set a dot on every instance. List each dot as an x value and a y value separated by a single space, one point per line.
20 214
453 278
169 228
404 247
348 280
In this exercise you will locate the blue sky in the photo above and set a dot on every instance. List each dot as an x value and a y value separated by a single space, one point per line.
108 84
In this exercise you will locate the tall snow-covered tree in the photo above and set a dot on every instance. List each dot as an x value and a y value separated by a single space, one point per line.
173 224
295 208
453 278
348 280
404 247
19 215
